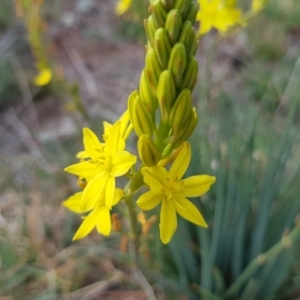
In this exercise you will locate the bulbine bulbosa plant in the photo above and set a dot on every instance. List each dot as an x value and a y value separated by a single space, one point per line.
162 116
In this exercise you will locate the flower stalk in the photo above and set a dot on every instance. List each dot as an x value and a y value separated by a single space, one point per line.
162 115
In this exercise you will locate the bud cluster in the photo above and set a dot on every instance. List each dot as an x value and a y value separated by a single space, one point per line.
162 108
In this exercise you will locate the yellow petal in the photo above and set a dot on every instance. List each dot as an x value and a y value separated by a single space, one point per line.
168 221
197 185
82 155
117 197
121 162
122 7
149 200
92 194
188 211
84 169
73 203
106 126
91 143
110 191
230 3
203 4
121 145
205 27
124 122
43 78
258 5
103 222
113 138
181 162
87 225
154 177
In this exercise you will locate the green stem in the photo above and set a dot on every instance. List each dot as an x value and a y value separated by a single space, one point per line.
133 185
163 132
134 230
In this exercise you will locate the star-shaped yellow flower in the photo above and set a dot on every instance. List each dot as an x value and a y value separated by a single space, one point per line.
125 129
98 217
216 14
167 188
106 161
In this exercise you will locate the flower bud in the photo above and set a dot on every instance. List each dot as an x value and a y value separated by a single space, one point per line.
159 13
138 115
177 62
152 64
188 38
181 109
162 47
147 96
168 4
190 75
148 151
150 28
182 6
185 131
173 25
192 12
166 93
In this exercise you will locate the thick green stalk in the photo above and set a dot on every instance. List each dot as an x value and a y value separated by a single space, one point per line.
134 230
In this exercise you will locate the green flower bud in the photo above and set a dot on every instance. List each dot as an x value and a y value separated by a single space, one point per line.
192 12
148 151
139 117
168 4
152 63
186 130
190 75
166 93
147 96
177 62
159 13
173 25
162 47
182 6
150 30
181 109
188 38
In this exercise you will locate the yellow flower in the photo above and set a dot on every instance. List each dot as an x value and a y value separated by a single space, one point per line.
105 162
99 215
122 6
258 5
217 14
125 127
167 188
125 130
43 78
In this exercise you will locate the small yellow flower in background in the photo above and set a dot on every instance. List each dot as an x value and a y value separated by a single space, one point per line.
217 14
122 6
105 162
223 14
258 5
99 214
43 78
167 188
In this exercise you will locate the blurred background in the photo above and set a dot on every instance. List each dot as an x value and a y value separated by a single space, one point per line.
69 64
